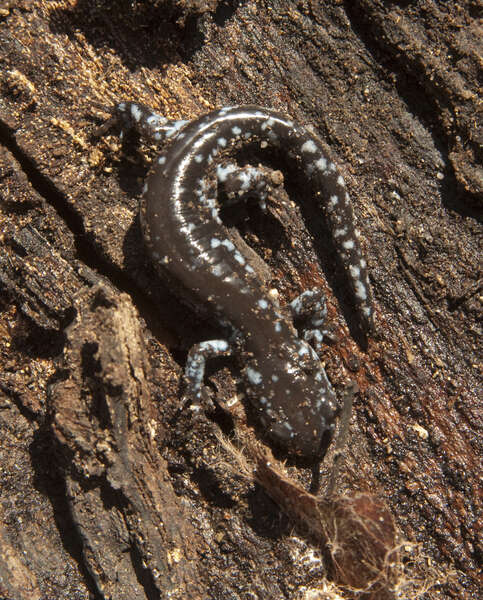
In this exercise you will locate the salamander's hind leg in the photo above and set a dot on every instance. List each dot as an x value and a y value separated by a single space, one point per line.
311 311
239 183
195 369
148 124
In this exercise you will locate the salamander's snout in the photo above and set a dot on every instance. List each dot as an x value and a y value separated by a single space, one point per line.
294 398
310 445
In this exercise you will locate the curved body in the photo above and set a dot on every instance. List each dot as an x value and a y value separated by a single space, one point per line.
185 236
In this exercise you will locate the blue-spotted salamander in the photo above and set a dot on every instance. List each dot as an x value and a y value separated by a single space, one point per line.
186 239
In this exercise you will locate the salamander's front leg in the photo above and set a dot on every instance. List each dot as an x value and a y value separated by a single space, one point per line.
245 182
148 124
310 308
195 368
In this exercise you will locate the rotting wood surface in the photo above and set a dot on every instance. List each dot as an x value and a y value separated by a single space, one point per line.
106 487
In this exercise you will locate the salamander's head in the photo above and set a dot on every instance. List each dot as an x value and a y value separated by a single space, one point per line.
294 398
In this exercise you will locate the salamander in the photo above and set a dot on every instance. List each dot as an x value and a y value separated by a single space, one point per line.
186 238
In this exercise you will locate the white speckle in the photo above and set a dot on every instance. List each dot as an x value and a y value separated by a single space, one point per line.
263 144
332 167
333 202
361 291
278 326
217 346
229 245
303 350
355 271
236 130
340 181
263 304
158 136
222 172
154 121
214 242
367 311
244 179
121 106
254 377
161 160
239 257
321 164
309 146
136 112
340 232
270 122
145 188
348 244
221 142
199 158
363 263
249 269
247 135
175 127
274 378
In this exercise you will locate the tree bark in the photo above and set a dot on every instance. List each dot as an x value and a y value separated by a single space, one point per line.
108 487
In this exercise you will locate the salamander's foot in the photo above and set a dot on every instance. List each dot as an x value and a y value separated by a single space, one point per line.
196 394
310 308
240 183
149 125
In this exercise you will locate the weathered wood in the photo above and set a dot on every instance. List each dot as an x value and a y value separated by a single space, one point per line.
134 534
132 497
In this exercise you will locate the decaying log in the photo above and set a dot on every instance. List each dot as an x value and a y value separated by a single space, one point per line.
109 487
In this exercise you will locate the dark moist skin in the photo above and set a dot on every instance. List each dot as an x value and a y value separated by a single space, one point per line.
185 237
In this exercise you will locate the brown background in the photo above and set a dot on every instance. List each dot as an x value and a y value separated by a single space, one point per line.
106 488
